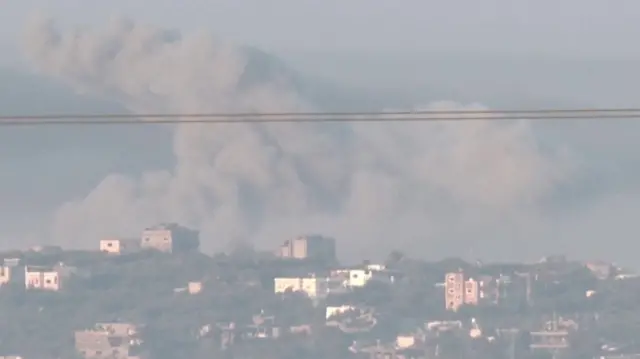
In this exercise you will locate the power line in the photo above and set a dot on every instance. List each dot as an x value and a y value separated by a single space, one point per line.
307 117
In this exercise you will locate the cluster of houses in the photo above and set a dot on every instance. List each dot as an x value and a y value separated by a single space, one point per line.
121 340
169 238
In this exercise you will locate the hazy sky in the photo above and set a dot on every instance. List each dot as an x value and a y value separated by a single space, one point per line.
571 27
581 178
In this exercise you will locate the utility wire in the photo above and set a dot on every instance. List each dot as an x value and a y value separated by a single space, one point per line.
307 117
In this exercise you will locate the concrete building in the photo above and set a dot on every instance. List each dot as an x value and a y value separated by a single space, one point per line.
313 287
50 278
170 238
460 291
43 278
313 247
454 290
119 246
107 340
359 277
5 275
11 272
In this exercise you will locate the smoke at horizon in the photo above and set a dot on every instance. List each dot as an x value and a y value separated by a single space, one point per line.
374 187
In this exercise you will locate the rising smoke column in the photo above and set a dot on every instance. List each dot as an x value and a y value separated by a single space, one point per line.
370 185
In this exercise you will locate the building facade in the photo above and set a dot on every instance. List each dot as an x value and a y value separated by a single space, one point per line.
454 290
119 246
107 340
42 278
312 247
313 287
460 290
170 238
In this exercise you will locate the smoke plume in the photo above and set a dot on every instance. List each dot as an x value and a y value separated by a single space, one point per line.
372 186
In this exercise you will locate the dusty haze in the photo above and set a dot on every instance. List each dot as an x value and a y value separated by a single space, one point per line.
374 187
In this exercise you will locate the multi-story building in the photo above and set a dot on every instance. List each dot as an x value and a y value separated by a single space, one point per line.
454 290
107 340
119 245
460 290
313 247
170 238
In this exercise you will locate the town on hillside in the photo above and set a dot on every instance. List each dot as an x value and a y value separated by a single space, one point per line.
158 296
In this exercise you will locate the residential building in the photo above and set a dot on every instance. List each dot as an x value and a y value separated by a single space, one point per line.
314 287
170 238
454 290
312 247
5 275
119 246
11 272
107 340
460 291
359 277
43 278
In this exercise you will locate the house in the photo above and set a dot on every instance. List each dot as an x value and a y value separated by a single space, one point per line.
107 340
119 246
359 277
170 238
50 278
43 278
11 272
5 275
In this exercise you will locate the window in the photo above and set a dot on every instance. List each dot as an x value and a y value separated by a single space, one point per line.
166 239
109 244
48 281
147 239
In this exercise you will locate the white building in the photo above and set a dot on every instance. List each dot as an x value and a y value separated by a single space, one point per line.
119 246
313 287
42 278
359 277
47 278
332 310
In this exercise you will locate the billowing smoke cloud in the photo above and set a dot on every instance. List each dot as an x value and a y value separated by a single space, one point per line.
373 186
